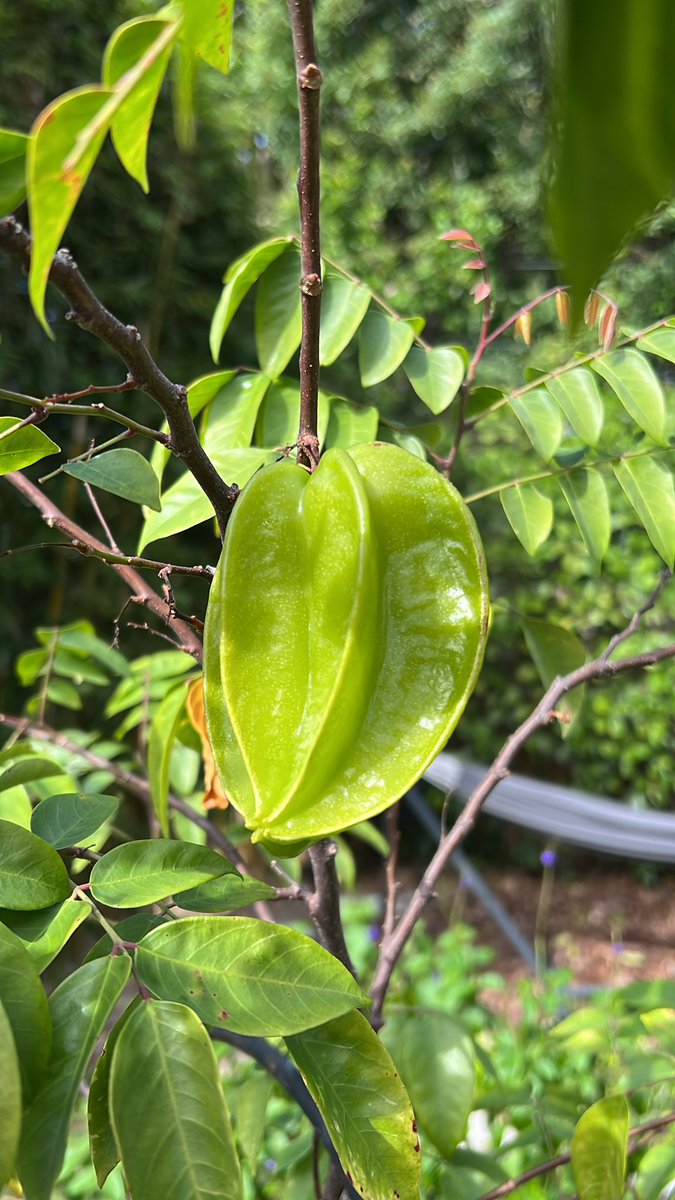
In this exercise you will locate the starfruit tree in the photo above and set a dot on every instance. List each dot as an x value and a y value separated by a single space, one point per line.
343 634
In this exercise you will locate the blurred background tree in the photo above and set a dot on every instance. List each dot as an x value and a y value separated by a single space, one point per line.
434 115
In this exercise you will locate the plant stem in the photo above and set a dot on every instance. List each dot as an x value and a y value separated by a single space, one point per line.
554 474
309 83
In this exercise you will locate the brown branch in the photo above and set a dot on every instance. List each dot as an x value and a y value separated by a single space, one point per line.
561 1160
125 340
128 560
602 667
141 591
394 838
324 902
309 85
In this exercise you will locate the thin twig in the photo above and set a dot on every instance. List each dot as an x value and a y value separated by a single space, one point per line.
103 523
33 418
600 668
125 340
95 409
128 560
324 902
56 519
561 1160
394 837
301 14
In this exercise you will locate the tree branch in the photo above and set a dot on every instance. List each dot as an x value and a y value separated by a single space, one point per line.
602 667
125 340
309 83
140 590
324 902
561 1160
282 1069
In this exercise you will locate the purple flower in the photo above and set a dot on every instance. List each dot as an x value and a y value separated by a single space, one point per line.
374 933
548 858
618 948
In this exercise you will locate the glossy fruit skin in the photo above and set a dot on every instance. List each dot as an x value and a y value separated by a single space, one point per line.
345 631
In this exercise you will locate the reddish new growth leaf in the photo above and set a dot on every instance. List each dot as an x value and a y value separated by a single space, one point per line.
562 304
462 238
591 309
481 292
523 327
476 264
607 326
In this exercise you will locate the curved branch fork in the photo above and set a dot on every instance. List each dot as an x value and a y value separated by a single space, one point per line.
309 85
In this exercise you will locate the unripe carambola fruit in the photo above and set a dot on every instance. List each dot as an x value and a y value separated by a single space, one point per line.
344 634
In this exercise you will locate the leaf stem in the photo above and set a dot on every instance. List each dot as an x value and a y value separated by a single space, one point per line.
555 473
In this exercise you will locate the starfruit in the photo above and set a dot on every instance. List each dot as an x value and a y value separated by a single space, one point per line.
345 630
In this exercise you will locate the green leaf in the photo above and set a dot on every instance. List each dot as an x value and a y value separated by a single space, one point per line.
65 694
10 1101
649 487
104 1152
629 374
200 393
383 344
141 872
436 375
163 729
251 1100
31 873
13 147
45 933
28 771
68 820
656 1170
252 977
52 191
168 1110
615 158
28 445
540 417
184 504
529 514
182 96
344 304
577 394
555 651
350 424
586 494
238 280
26 1009
364 1104
15 806
661 342
231 891
660 1024
124 473
436 1061
279 415
599 1150
278 314
230 420
130 929
131 124
80 1007
208 30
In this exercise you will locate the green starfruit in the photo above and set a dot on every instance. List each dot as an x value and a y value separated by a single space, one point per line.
345 630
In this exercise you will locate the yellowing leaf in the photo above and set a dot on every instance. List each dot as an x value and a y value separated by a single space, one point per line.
214 796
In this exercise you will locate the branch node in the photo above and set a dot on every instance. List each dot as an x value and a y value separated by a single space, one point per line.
311 284
310 77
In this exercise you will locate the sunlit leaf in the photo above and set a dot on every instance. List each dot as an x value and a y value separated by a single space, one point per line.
45 932
364 1104
239 279
279 415
32 876
384 342
656 1170
649 487
26 1009
13 147
540 417
598 1150
168 1110
131 124
435 374
344 304
630 376
577 394
253 977
556 651
586 494
124 473
529 514
10 1100
141 872
80 1007
52 191
28 445
278 314
208 30
69 820
350 424
661 342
